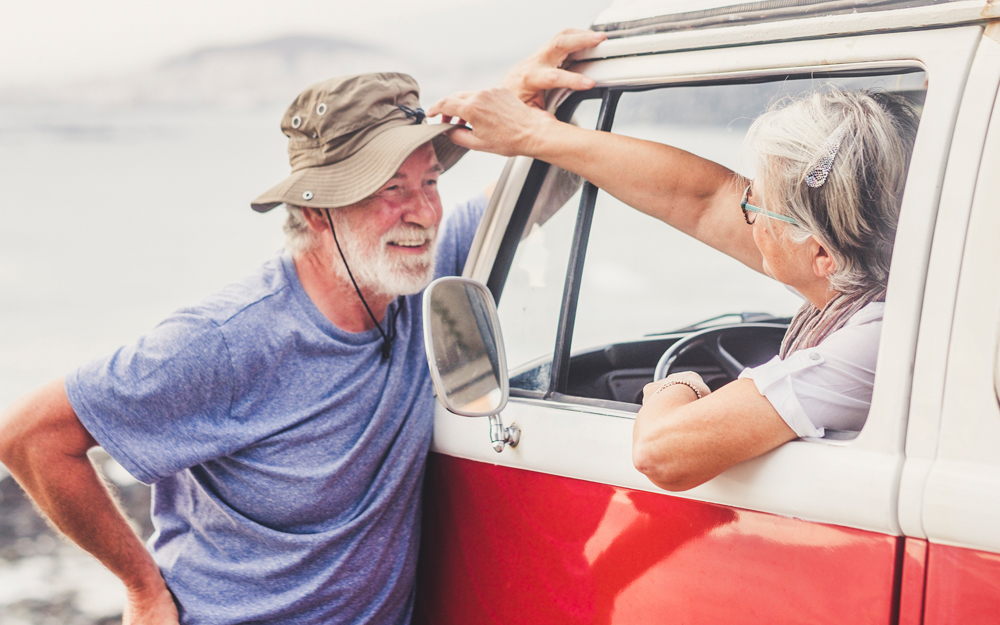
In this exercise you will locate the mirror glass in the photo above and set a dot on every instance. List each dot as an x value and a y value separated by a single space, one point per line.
464 347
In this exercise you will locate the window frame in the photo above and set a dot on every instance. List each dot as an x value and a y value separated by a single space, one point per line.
610 96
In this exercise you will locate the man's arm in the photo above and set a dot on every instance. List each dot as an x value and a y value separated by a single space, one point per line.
44 445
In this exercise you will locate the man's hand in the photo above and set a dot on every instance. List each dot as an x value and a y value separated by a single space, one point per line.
156 608
532 77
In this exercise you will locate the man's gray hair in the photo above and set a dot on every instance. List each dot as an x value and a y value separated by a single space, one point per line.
854 212
299 237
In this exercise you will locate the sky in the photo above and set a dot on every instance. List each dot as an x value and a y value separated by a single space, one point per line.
47 41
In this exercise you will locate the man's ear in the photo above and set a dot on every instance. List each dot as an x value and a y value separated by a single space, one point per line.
823 262
316 218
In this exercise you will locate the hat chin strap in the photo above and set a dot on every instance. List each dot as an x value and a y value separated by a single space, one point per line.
389 335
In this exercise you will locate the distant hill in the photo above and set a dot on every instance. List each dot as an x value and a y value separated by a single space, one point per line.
290 48
262 73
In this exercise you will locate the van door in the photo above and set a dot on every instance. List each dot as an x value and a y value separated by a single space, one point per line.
562 528
955 448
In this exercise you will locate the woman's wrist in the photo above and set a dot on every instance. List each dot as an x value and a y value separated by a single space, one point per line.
679 383
544 137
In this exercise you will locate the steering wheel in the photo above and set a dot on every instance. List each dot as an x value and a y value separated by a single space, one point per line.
710 342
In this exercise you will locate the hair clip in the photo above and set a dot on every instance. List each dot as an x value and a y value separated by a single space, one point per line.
817 177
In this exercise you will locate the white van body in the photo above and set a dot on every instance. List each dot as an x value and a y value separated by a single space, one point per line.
920 482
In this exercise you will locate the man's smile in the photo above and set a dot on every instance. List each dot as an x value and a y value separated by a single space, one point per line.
414 242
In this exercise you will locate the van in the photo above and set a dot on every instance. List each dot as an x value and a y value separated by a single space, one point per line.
896 523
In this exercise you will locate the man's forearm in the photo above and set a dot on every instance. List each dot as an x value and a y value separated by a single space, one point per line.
44 446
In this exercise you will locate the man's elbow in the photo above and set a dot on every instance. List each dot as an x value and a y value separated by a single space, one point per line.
10 439
39 424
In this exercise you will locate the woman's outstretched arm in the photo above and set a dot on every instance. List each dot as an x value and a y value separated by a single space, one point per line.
697 196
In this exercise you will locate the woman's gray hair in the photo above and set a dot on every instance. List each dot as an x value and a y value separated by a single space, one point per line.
854 209
299 237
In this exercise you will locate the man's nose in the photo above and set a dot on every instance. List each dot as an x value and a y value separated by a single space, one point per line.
422 210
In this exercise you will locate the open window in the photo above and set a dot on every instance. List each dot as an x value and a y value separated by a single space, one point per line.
596 291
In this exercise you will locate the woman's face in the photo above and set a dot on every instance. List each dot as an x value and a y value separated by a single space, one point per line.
784 260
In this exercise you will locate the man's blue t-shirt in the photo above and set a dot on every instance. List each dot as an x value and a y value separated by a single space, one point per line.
286 456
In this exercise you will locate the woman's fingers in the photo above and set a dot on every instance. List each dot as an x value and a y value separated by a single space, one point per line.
553 78
567 42
447 105
540 72
463 137
500 122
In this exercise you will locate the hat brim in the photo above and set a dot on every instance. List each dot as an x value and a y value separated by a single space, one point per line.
363 173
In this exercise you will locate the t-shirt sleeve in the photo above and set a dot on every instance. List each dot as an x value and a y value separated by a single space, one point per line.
825 387
157 407
457 233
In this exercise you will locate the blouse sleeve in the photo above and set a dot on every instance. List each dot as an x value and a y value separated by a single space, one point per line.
828 386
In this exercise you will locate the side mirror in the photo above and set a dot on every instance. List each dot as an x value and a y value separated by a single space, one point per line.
465 353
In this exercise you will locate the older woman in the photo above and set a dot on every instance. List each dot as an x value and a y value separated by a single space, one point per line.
820 217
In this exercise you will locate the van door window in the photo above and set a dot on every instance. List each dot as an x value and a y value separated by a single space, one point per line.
532 295
644 283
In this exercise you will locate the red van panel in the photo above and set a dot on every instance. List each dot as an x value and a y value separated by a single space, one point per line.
503 545
911 604
963 586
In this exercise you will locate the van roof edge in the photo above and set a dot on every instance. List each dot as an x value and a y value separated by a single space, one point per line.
614 21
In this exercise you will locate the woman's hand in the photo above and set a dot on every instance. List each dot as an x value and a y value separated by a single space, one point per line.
510 120
674 389
501 123
532 77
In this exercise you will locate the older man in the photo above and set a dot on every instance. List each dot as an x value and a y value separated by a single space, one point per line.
284 421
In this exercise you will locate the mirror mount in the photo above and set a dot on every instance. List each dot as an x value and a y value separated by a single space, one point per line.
500 435
465 353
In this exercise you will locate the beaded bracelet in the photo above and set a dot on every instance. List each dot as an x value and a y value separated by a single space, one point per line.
684 382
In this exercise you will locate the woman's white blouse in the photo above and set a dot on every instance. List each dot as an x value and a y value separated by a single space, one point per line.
827 386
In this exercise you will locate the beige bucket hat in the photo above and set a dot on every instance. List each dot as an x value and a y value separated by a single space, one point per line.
347 136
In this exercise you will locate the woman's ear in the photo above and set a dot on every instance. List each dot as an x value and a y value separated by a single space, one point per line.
823 263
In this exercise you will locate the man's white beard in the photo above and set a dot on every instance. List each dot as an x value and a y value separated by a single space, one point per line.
377 269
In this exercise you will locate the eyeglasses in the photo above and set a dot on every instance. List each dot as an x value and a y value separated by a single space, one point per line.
756 210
